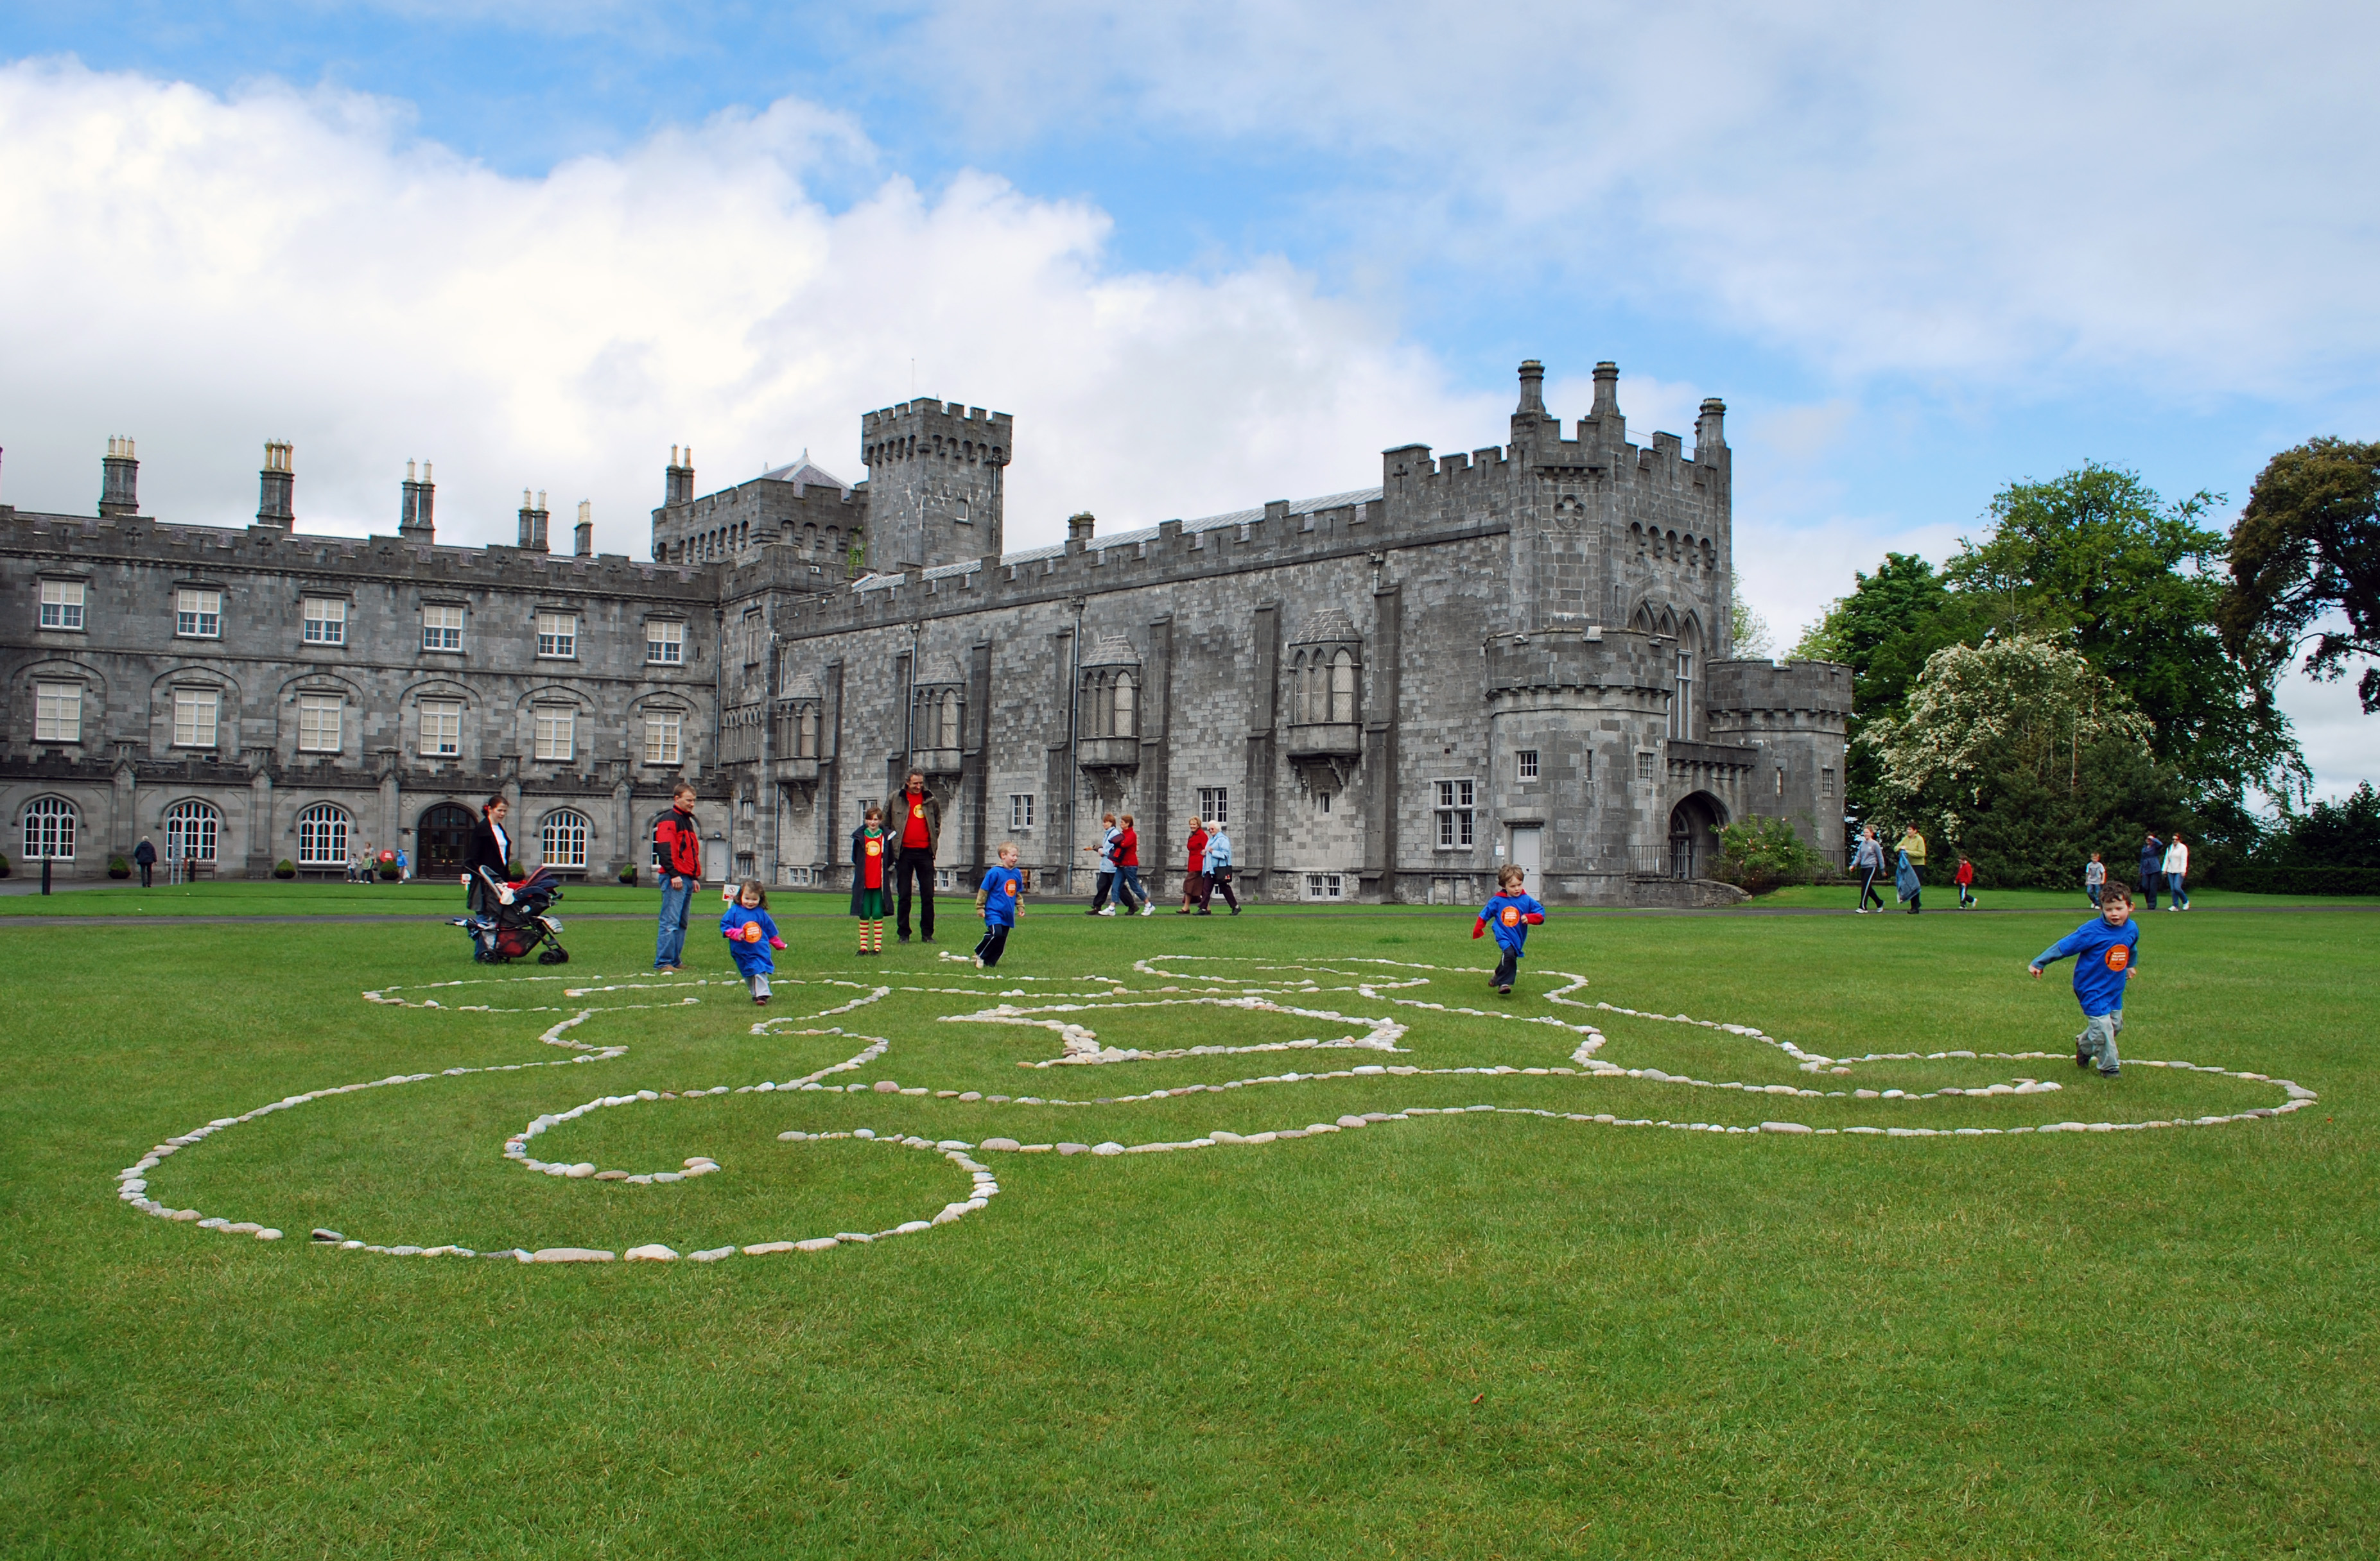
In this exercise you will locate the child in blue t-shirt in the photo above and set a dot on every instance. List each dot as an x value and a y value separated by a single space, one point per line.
995 901
2106 953
750 934
1511 914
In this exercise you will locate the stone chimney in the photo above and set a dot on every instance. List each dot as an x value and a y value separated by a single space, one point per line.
119 478
1079 527
532 523
273 486
414 521
678 482
584 537
1533 390
1607 390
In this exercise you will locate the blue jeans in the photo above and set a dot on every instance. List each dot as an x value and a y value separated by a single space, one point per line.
669 948
1129 892
2179 895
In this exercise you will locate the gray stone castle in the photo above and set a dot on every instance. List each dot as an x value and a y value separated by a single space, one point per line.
1521 654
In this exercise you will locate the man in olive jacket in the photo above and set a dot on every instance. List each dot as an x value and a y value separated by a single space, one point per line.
914 820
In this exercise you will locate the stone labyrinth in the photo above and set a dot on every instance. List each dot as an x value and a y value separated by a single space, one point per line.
1366 1045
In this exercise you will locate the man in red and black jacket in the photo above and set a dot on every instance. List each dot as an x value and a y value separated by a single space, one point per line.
914 820
677 858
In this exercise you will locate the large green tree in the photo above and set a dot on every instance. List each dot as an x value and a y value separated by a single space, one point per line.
2308 546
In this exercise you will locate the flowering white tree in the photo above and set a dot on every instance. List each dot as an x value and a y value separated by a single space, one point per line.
1979 712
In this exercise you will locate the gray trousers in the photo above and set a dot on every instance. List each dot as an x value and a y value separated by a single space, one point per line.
2098 1039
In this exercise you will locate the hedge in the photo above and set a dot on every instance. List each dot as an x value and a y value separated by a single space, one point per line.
2300 880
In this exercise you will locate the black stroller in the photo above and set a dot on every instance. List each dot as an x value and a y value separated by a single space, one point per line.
513 919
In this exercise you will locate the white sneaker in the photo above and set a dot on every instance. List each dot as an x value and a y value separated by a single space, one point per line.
1107 909
1149 907
978 961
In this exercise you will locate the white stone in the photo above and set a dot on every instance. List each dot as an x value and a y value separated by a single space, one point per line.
762 1248
569 1255
1110 1147
710 1254
580 1171
910 1227
654 1252
817 1244
1352 1121
1006 1144
268 1234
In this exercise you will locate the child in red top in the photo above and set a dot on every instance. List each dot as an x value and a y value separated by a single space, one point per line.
868 847
1965 879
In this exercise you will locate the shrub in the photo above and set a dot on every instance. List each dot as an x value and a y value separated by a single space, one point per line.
628 876
4 867
1765 853
388 872
117 867
515 871
2251 879
285 868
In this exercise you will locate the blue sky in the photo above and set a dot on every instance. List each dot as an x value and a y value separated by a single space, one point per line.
1207 256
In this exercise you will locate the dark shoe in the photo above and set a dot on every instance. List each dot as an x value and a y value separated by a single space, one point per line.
1504 991
2081 1058
1206 913
2109 1072
904 937
1236 909
925 937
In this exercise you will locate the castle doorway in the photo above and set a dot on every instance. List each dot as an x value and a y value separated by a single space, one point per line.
1693 835
441 841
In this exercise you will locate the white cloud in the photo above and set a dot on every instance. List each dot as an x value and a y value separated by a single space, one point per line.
2038 194
211 272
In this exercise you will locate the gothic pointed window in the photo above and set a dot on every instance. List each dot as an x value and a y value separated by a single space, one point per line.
947 722
1343 687
1126 713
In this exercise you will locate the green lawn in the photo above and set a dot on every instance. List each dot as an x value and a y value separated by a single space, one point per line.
1490 1334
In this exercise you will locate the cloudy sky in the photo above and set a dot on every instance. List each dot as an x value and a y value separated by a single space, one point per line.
1207 256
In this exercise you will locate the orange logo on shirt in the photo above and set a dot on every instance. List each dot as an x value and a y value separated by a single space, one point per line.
1511 915
917 810
2118 956
875 848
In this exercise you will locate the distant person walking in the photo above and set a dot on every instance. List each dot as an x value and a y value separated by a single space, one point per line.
2152 869
1867 859
1105 851
1965 878
677 861
1219 871
917 823
403 866
492 850
1908 875
144 856
2095 878
1129 892
1194 881
2177 868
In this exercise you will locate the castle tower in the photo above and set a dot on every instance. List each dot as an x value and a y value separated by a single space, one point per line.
119 478
274 485
415 519
936 492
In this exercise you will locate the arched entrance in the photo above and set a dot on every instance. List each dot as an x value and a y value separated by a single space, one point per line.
1693 835
441 841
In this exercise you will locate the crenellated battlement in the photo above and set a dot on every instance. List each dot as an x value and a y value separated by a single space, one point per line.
1571 658
1811 687
205 549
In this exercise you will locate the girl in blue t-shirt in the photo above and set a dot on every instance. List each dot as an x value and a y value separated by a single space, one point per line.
1510 915
750 936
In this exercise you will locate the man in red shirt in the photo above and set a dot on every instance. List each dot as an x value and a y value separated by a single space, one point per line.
677 859
917 822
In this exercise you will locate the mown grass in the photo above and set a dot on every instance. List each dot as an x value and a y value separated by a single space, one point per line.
1472 1336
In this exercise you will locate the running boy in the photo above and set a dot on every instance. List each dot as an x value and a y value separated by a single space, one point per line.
1512 912
995 901
868 880
750 934
2095 876
2105 956
1965 879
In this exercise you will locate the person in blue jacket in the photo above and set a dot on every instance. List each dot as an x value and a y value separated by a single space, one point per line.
995 901
750 936
2106 952
1511 914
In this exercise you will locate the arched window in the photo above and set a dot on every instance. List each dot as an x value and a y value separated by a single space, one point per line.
1127 713
1343 687
563 838
1682 708
323 836
49 828
947 720
190 832
806 734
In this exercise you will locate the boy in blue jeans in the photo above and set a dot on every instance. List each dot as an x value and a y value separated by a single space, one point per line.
2106 953
1511 914
995 902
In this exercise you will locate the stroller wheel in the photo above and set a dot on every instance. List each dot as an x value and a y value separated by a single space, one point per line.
557 955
